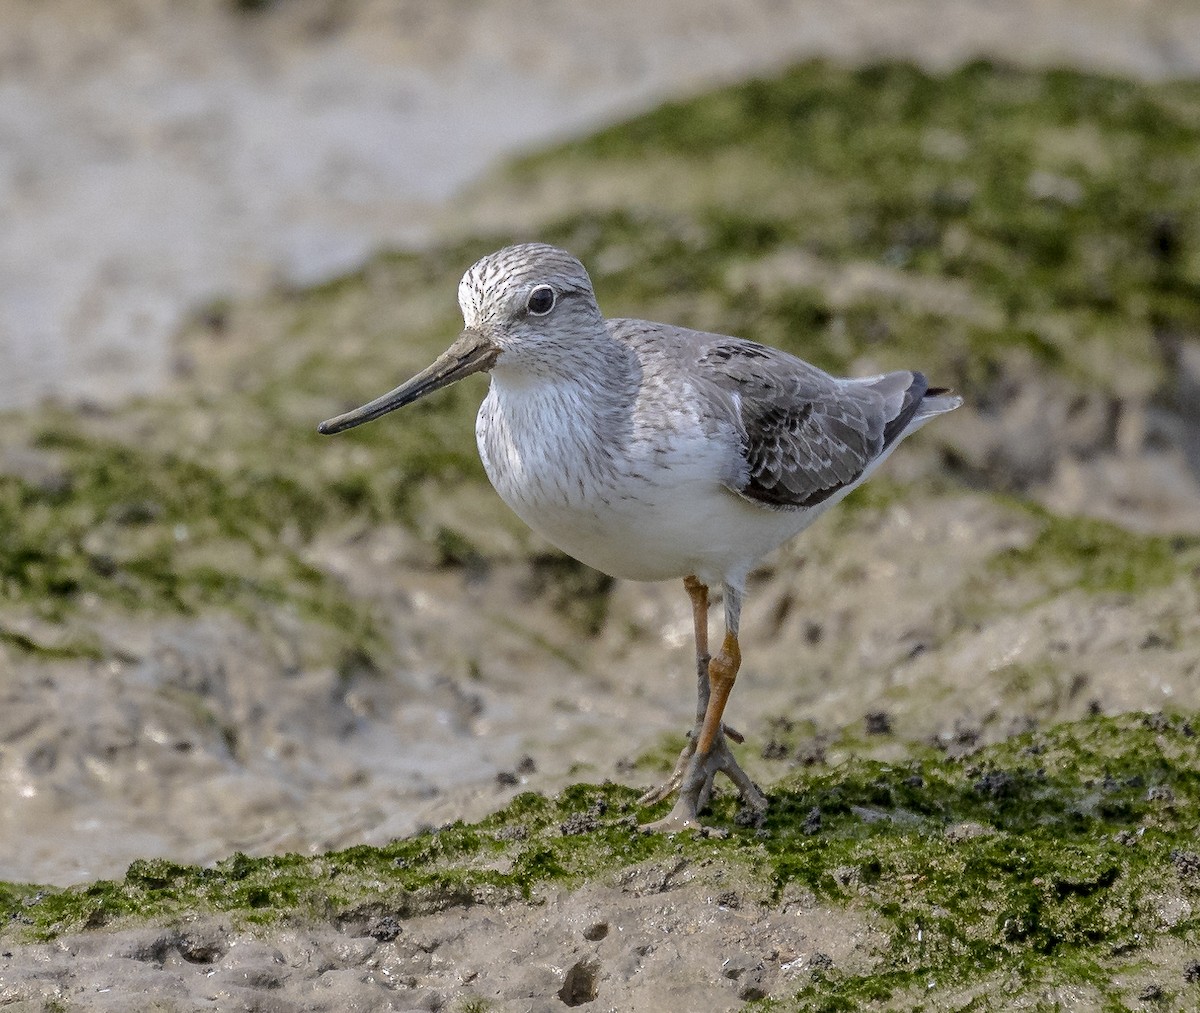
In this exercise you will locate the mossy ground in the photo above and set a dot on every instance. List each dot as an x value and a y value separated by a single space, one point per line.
1061 855
987 225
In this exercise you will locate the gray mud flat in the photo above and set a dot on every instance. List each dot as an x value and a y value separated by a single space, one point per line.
631 946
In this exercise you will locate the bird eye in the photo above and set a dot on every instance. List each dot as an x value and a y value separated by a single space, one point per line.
541 300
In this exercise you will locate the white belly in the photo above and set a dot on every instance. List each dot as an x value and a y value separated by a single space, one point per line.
675 531
645 510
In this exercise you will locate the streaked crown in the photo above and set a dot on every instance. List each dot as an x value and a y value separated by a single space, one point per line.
496 289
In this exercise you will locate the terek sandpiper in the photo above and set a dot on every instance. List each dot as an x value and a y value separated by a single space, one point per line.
651 452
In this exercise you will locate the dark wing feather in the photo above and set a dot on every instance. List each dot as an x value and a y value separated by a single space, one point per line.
805 435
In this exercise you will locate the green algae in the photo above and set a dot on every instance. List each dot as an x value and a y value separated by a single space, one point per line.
144 531
473 1005
1046 857
1097 557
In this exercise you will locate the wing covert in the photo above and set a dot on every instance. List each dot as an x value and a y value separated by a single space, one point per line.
804 434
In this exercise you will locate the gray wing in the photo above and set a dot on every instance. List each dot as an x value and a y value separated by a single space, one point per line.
804 434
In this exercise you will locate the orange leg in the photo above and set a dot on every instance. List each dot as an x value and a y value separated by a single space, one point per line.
707 752
699 594
722 671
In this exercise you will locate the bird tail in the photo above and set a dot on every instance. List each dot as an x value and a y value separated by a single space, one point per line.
937 401
914 400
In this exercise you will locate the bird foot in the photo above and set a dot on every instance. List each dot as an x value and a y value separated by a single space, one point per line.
672 783
693 778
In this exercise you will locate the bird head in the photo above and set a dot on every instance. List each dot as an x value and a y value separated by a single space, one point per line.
527 309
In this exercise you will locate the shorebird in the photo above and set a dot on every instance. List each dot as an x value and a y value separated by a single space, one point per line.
653 452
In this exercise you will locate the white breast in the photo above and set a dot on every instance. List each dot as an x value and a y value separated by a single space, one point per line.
641 506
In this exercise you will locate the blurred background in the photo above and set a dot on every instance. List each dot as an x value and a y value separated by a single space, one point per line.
224 221
158 155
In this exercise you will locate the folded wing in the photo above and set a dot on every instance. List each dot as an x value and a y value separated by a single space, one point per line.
805 434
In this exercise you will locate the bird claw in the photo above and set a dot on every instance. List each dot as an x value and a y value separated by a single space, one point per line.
693 778
672 783
664 790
